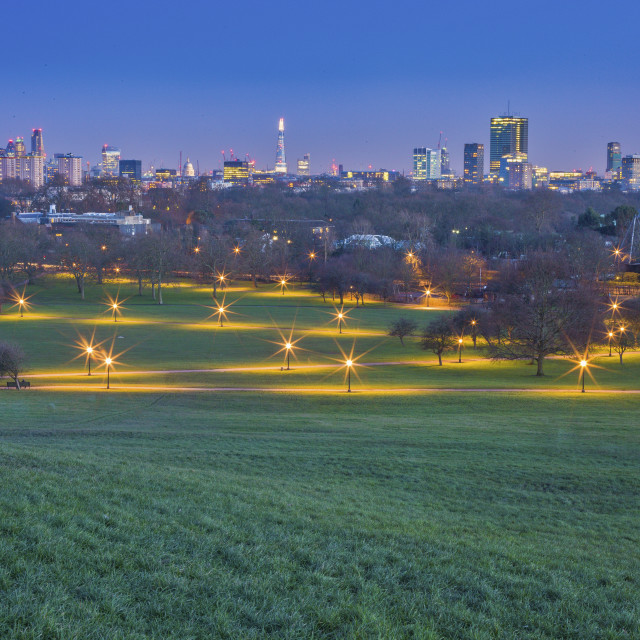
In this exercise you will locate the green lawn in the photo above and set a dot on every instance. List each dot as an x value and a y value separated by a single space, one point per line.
377 514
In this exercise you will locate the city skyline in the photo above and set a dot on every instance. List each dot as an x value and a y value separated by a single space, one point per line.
230 84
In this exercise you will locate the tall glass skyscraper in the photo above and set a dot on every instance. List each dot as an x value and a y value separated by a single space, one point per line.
473 163
37 145
110 160
614 156
281 159
426 164
509 136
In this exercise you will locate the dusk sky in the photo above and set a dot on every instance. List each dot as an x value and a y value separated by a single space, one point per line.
361 82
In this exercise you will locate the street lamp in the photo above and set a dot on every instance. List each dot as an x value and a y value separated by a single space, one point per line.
288 346
221 313
428 293
89 352
610 338
107 362
283 284
21 303
349 364
583 368
340 316
114 306
459 349
474 332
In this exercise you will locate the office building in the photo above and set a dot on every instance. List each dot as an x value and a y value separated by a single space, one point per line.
10 150
37 144
110 161
426 164
131 169
444 161
21 150
70 168
614 157
631 172
281 158
509 136
236 173
304 165
473 164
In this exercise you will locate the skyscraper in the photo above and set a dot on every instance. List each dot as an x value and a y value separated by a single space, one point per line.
614 157
236 172
281 159
444 160
37 145
473 163
426 163
110 160
21 150
131 169
509 135
304 165
631 172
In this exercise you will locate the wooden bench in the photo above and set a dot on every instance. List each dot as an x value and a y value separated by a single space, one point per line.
24 384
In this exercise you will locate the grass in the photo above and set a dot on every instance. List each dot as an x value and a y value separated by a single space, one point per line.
310 515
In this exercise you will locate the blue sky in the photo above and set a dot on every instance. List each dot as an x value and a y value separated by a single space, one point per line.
361 82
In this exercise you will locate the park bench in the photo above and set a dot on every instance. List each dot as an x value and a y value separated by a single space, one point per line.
24 384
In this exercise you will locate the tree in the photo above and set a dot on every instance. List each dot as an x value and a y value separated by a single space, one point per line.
163 252
548 315
212 257
438 337
77 256
589 219
12 361
401 328
623 340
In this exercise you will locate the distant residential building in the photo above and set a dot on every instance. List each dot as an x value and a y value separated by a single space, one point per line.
509 136
110 161
426 164
631 172
281 158
37 144
236 173
520 176
70 168
614 157
28 168
473 164
131 169
304 165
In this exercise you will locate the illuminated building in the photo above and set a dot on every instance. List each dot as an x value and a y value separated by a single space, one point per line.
37 144
28 168
110 160
70 168
236 172
10 151
631 172
444 161
509 136
540 177
520 176
165 175
20 148
187 170
614 157
304 165
131 169
281 159
473 163
426 163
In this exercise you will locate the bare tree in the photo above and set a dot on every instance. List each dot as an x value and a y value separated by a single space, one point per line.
77 257
12 361
163 252
401 328
438 337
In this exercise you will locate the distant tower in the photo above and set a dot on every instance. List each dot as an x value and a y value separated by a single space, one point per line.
10 151
509 135
473 164
187 170
110 160
303 165
20 147
614 157
281 160
37 145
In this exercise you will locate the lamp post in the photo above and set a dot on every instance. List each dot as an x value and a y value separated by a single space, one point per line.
114 306
107 361
220 312
428 293
583 368
287 346
283 283
474 331
610 338
340 316
459 349
349 365
21 302
89 352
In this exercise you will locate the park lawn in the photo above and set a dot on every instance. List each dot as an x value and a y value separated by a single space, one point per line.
128 515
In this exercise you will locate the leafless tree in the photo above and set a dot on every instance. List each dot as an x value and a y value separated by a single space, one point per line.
12 361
